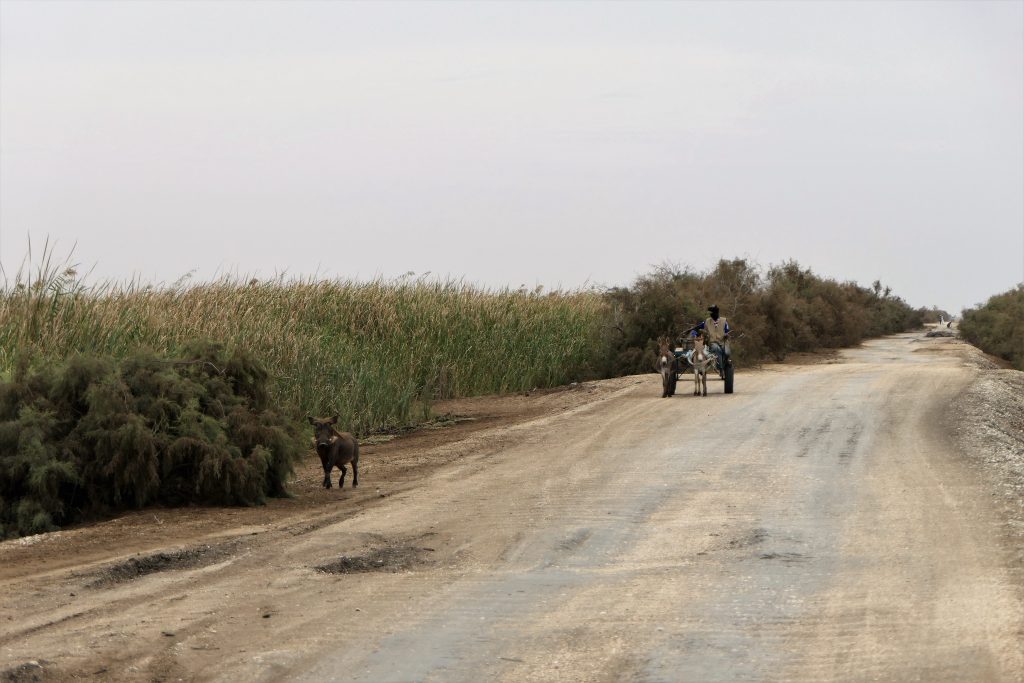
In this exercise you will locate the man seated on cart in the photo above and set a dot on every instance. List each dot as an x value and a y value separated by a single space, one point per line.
716 329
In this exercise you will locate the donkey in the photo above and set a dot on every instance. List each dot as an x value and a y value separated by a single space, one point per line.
668 366
701 361
336 449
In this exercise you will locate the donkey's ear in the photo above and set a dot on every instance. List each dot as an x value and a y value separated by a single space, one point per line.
312 421
333 420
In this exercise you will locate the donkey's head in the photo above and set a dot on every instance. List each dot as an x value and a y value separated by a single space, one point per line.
664 346
323 429
698 346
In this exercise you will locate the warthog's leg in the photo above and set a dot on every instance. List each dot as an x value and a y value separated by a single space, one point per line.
341 479
325 463
355 474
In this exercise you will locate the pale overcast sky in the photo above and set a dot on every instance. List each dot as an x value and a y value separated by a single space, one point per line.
555 143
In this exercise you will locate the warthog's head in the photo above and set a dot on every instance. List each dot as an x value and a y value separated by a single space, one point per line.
323 429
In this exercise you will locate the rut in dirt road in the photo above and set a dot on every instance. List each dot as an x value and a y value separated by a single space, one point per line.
815 526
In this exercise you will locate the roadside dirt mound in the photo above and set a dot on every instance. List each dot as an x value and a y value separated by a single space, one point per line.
135 567
988 421
390 558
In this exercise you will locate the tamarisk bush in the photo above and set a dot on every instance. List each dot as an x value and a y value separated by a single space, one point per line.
997 326
93 435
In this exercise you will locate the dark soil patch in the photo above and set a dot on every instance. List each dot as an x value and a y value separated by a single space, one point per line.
784 557
29 672
136 567
391 558
752 538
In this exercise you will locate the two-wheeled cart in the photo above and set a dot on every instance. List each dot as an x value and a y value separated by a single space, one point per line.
724 371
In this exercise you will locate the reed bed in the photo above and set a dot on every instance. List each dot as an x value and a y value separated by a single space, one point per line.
376 353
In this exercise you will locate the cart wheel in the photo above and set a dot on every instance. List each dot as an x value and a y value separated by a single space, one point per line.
728 378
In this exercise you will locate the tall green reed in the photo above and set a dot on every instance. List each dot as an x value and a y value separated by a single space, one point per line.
375 353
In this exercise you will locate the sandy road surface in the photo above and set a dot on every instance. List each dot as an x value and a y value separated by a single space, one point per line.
818 525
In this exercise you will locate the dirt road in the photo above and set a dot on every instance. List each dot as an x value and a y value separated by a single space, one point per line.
818 525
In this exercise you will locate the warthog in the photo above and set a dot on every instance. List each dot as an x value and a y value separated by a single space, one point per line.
336 449
668 366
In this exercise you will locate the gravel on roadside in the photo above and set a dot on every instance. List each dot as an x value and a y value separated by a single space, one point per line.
989 424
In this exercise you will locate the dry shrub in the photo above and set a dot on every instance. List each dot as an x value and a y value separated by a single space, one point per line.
997 327
786 309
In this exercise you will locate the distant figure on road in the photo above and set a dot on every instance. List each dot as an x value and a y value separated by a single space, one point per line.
716 328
